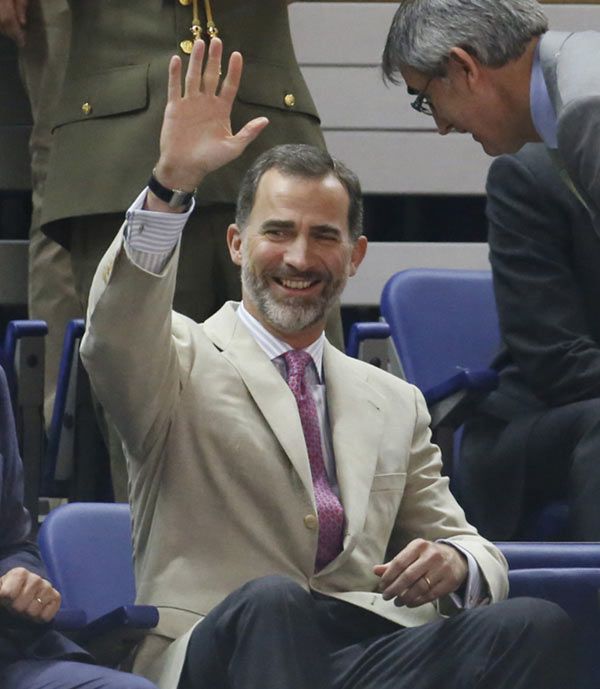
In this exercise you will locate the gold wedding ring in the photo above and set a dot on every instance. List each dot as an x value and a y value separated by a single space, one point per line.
39 600
428 581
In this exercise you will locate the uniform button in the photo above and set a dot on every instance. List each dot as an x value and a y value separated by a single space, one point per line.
186 46
185 3
86 108
290 100
310 521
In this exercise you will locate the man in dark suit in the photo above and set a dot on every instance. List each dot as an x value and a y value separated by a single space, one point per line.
32 654
492 69
538 435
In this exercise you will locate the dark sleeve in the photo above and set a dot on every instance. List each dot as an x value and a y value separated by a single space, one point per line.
532 218
16 548
579 144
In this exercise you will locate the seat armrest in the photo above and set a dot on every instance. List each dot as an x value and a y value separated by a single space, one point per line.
69 620
360 332
534 555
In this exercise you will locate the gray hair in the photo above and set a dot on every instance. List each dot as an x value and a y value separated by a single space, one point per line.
303 161
493 31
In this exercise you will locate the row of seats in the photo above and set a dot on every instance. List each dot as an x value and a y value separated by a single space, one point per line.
439 330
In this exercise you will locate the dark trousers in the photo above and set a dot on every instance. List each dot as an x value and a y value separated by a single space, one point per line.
509 469
66 674
272 634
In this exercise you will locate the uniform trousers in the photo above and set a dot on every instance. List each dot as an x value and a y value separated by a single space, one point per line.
271 633
536 458
66 674
51 291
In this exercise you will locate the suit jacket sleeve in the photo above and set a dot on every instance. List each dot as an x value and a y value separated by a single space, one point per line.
532 217
129 347
16 550
579 144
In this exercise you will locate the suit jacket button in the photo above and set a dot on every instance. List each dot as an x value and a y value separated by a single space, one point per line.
289 100
86 108
186 46
311 522
185 3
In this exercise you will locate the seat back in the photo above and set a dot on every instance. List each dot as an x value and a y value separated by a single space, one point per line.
441 321
88 553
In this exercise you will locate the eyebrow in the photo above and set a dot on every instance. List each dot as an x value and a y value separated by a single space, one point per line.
275 224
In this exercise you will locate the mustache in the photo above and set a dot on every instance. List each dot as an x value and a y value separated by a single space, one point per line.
290 273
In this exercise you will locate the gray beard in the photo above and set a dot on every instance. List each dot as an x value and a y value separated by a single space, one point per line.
292 314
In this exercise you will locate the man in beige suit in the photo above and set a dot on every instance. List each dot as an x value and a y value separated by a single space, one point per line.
289 517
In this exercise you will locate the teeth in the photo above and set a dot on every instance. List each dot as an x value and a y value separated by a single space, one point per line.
296 284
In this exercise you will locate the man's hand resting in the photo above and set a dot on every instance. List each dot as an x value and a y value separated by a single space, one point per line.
422 572
28 595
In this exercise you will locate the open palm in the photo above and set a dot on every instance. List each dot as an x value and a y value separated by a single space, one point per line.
196 136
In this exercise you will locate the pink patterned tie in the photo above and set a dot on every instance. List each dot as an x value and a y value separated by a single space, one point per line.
329 508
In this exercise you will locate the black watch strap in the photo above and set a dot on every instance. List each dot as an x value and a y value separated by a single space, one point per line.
176 198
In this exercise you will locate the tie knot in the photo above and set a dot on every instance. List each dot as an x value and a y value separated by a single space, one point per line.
296 361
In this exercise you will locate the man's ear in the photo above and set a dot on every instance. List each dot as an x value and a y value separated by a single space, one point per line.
358 253
234 243
464 67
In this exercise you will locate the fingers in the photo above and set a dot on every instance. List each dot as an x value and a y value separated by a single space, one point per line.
12 21
212 71
25 593
231 83
250 131
193 75
421 573
174 85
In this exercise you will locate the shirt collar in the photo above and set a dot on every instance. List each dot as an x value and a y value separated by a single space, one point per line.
273 346
542 110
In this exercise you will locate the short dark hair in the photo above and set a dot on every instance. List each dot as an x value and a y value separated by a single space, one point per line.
303 161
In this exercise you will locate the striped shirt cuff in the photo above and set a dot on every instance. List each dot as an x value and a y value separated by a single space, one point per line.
150 236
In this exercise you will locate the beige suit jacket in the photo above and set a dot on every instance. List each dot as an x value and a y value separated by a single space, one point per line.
220 481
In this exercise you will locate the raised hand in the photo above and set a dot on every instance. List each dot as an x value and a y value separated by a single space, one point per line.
13 19
196 136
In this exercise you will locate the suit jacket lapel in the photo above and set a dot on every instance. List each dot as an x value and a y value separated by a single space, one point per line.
266 386
356 421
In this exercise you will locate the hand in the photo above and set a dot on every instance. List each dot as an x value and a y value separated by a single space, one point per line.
422 572
29 595
13 19
196 136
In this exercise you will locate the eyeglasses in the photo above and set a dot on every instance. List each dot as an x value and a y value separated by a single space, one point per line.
422 103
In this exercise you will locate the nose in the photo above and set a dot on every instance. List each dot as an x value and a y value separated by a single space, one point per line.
298 254
442 125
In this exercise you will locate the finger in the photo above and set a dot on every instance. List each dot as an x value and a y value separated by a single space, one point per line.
50 609
212 71
231 83
193 75
174 86
21 10
418 593
250 131
12 584
409 577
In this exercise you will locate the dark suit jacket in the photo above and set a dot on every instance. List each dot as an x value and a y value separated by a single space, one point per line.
103 153
571 66
20 638
545 257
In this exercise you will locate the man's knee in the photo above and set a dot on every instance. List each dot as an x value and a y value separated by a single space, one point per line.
540 620
273 592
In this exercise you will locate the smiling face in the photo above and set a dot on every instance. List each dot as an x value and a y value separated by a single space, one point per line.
473 99
295 253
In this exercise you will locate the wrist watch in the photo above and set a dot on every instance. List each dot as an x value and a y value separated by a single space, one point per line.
176 198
